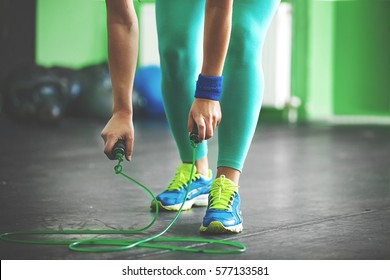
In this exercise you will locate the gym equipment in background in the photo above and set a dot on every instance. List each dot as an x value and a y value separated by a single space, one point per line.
47 94
34 93
147 98
95 99
70 80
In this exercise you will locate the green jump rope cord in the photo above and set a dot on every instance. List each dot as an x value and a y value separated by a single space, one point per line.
98 245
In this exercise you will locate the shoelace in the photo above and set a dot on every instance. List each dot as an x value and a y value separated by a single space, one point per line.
181 178
222 194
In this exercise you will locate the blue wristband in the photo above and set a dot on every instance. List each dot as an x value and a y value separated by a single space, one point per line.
209 87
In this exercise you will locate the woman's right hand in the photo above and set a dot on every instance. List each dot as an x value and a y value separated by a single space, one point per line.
120 126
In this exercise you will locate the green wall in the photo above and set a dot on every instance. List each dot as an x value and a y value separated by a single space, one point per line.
341 58
299 58
362 58
71 33
320 60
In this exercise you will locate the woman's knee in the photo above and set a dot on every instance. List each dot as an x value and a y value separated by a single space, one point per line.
176 59
246 43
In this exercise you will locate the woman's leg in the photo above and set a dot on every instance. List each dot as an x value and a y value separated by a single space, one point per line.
240 104
180 27
243 83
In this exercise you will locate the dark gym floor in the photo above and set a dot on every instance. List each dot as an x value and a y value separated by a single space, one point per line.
308 192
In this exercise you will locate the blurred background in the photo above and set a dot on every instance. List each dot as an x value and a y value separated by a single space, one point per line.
324 60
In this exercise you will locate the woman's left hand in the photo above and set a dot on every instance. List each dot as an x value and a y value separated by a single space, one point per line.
206 114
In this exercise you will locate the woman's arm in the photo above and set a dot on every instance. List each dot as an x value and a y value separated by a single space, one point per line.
206 113
218 21
122 27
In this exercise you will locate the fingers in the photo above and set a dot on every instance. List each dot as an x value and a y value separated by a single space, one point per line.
215 122
205 129
129 148
201 129
191 124
120 126
109 143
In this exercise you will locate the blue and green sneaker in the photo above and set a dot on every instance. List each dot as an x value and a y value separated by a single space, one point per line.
172 198
223 213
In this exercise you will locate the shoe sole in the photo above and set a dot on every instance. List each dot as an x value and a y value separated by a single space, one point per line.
218 227
200 201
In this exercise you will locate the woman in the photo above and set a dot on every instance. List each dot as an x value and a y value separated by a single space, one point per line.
233 36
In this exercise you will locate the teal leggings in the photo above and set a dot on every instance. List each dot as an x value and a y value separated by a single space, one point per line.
180 31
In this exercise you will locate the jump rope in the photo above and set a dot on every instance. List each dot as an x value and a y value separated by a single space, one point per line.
100 245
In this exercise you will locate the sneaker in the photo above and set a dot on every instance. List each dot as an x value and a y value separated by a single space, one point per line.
223 213
172 198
